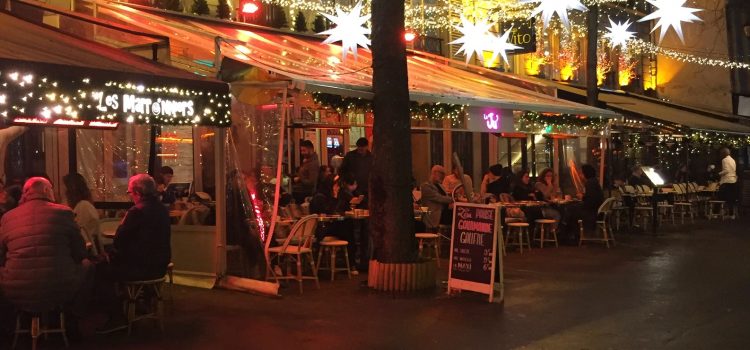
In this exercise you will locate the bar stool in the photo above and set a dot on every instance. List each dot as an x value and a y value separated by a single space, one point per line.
685 208
522 229
541 224
429 239
330 246
37 329
712 205
148 291
644 213
665 210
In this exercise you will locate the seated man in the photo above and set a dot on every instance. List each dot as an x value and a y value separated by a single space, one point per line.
142 248
42 253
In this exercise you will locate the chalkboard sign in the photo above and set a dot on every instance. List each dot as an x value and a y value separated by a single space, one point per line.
473 248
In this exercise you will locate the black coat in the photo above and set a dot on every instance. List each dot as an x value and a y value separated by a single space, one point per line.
142 242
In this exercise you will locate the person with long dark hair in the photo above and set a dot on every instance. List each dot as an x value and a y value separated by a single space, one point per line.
78 197
546 184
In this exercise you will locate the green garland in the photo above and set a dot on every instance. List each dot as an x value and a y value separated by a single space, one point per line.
418 111
709 139
535 121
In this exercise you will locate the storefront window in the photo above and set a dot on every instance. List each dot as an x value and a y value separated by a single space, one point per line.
543 153
107 158
174 148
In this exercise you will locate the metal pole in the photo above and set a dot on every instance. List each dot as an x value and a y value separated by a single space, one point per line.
221 201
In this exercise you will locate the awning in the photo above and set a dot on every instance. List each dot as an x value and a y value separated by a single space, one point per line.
679 116
51 78
308 63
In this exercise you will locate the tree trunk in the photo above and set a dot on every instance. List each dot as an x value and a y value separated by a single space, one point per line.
391 211
592 23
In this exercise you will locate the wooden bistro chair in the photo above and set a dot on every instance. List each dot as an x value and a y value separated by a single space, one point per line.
149 291
296 247
603 224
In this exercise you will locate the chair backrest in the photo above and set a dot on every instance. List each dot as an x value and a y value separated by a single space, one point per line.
712 186
684 188
629 189
302 233
646 188
607 205
677 188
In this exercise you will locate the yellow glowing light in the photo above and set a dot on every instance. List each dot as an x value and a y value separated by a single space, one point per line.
566 73
601 74
488 61
534 64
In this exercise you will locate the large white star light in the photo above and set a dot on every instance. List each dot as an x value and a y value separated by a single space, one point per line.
476 38
670 14
618 34
500 44
349 30
548 8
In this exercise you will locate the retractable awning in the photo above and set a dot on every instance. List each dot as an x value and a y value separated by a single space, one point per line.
312 66
51 78
679 116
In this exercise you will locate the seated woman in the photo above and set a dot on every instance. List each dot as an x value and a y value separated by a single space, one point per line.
78 196
545 185
523 191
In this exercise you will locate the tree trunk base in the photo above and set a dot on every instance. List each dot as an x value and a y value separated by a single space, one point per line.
402 277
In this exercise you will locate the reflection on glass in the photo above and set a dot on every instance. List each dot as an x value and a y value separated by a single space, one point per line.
109 157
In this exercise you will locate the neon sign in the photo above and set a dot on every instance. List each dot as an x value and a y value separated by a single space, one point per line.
492 120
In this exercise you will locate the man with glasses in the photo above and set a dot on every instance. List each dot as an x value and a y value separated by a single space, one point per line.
142 248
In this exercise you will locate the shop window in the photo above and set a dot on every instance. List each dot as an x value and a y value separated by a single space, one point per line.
174 148
108 158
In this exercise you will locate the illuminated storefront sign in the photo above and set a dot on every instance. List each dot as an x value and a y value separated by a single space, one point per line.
523 34
487 119
42 94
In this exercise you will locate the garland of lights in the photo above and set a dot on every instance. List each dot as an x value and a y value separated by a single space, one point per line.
418 111
30 98
535 121
639 46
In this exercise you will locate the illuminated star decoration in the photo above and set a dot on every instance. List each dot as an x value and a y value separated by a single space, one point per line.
549 7
500 44
475 39
670 14
349 30
618 34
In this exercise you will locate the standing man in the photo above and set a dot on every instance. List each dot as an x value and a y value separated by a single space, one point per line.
358 163
728 189
307 174
142 246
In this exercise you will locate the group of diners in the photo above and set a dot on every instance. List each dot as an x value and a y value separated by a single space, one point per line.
52 255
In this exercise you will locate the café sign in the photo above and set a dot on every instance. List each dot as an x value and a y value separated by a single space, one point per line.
489 119
523 34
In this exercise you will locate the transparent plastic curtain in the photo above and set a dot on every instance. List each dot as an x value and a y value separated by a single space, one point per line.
108 158
252 183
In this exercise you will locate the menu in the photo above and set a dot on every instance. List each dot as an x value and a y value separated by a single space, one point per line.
473 248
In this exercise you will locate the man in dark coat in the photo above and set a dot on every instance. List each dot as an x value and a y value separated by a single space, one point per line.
359 163
142 248
43 261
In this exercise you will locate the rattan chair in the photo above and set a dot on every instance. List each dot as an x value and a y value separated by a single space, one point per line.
296 247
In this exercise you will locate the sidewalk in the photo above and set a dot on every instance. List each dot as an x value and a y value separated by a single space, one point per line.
687 288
